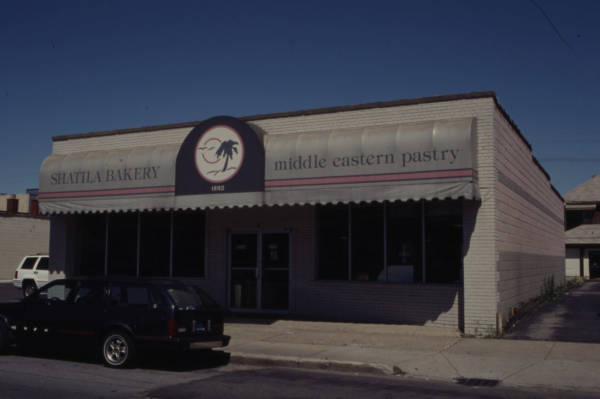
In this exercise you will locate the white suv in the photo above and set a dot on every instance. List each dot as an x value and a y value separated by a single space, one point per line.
32 273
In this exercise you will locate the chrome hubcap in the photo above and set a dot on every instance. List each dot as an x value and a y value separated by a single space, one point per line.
115 350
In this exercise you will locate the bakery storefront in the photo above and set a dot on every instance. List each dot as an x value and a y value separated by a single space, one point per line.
340 221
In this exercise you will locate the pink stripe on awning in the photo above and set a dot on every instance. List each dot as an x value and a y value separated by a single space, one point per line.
104 193
439 174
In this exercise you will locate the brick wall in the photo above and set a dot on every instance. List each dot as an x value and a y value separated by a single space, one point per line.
21 235
529 222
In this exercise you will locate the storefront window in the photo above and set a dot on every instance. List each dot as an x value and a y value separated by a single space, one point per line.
122 244
332 244
155 244
92 244
188 244
443 243
404 237
388 241
367 242
160 235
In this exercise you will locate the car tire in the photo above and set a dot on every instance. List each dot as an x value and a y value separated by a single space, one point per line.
29 288
117 349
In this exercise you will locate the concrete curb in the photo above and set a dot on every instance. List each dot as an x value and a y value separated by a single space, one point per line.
312 364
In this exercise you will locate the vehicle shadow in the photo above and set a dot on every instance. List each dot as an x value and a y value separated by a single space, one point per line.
160 360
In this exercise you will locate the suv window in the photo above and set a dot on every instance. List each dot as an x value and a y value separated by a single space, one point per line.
43 263
89 294
137 295
28 264
57 291
187 296
115 296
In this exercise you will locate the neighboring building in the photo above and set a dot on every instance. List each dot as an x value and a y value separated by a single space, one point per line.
425 211
23 231
582 219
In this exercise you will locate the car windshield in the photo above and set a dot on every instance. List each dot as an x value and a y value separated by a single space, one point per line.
189 297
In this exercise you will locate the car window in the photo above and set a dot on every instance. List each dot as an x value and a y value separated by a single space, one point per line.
28 263
43 263
115 296
56 292
89 294
137 295
189 296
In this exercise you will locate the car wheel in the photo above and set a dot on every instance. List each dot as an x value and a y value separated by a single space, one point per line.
28 288
117 349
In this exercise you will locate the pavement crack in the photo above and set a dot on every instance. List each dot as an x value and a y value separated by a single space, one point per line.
550 351
449 346
506 377
450 363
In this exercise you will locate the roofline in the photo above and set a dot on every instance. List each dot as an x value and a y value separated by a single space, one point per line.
306 112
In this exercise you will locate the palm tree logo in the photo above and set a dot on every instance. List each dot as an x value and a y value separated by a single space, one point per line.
219 154
226 149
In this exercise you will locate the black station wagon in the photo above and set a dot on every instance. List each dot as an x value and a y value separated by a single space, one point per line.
119 316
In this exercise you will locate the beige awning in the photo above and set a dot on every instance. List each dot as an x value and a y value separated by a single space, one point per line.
431 160
121 180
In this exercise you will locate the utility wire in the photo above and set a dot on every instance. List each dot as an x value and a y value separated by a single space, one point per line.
560 36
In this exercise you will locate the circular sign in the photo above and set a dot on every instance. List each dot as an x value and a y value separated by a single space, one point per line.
219 154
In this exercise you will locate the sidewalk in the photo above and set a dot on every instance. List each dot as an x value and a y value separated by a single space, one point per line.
414 351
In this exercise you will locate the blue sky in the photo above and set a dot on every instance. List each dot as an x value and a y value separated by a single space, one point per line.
80 66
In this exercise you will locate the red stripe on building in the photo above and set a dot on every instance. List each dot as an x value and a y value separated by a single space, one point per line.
440 174
103 193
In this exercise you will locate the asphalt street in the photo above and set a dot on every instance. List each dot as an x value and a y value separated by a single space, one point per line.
51 376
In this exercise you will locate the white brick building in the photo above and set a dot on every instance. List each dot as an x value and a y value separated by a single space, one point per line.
22 230
427 211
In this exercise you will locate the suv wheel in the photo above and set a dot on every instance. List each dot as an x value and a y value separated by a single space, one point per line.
117 349
28 288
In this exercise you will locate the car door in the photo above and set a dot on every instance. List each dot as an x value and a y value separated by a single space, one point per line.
132 305
46 311
86 312
41 271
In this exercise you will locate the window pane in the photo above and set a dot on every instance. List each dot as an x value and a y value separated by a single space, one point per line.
56 292
122 244
137 296
155 245
275 250
92 232
332 221
28 264
89 294
188 244
443 237
244 250
404 242
43 264
367 241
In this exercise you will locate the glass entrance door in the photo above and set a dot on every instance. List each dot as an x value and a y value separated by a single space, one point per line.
259 271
